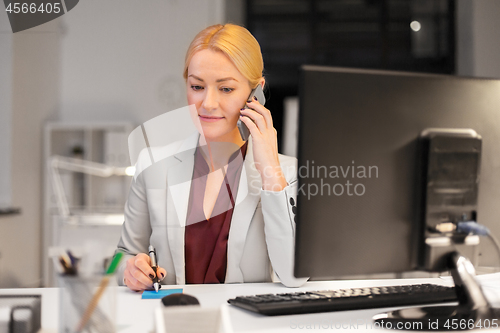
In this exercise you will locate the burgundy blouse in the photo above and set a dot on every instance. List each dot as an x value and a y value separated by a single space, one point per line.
206 240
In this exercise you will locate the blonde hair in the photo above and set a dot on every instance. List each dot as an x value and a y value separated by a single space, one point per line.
236 43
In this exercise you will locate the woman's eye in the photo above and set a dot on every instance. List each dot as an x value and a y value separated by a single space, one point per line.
226 90
196 88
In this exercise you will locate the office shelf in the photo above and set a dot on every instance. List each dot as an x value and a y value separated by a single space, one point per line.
94 204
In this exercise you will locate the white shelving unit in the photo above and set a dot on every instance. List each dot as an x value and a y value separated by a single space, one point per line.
95 203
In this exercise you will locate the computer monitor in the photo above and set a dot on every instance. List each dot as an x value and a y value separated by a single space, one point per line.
359 203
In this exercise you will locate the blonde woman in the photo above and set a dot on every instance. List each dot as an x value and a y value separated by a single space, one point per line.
232 220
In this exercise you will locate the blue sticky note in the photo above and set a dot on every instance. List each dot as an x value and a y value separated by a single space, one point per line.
151 294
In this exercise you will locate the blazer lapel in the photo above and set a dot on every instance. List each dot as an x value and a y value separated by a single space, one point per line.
247 198
178 189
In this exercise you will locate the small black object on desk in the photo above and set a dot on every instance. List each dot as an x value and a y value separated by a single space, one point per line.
179 299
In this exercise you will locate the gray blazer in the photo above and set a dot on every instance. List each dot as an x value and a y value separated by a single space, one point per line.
261 236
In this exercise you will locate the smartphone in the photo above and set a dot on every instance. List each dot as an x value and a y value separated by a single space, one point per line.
259 94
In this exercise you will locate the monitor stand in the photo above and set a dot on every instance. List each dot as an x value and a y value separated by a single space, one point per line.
472 312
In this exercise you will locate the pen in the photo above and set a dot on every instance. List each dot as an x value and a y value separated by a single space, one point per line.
154 265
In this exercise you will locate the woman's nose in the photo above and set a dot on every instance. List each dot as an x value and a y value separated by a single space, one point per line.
210 101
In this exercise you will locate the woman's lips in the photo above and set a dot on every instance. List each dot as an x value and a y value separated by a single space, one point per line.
210 119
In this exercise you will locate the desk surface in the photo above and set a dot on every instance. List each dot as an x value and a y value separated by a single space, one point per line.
136 315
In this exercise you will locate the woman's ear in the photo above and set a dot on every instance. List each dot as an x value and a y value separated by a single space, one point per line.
262 82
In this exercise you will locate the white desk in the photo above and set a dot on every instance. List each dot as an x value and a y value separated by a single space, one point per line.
136 315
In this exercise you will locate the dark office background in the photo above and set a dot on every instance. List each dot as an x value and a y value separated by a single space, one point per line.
407 35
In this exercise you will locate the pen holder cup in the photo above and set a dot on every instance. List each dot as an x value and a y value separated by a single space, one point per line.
87 304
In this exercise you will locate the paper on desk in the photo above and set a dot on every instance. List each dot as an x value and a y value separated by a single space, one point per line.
151 294
4 319
490 284
491 287
192 319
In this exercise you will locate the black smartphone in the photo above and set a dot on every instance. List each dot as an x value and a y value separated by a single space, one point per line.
259 94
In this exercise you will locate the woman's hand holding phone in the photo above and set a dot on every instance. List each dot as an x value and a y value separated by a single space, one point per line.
259 121
139 275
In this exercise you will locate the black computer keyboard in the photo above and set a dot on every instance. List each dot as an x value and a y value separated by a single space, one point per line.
345 299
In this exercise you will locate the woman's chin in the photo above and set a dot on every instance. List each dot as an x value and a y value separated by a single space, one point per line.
212 134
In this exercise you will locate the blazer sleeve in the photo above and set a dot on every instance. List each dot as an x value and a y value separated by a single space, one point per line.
136 230
279 224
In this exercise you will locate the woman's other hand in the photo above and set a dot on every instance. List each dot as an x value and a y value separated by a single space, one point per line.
139 275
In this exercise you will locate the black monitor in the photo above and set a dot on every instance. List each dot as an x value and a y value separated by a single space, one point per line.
362 193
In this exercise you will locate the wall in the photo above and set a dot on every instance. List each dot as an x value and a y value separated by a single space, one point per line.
486 38
5 130
34 65
5 111
235 11
478 38
125 61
